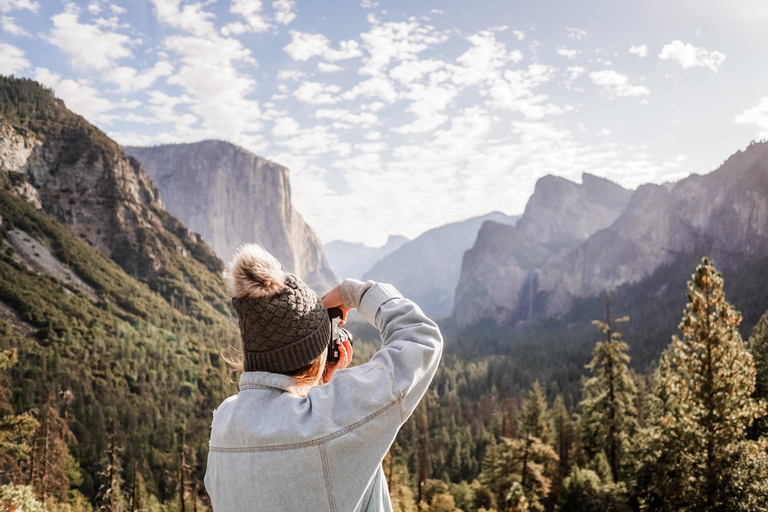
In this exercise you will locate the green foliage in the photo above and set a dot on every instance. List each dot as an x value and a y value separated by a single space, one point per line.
758 346
132 362
702 408
20 497
608 413
584 491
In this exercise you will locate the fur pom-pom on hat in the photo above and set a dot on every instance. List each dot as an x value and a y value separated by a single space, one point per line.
253 272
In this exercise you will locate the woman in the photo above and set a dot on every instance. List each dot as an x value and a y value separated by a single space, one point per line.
288 442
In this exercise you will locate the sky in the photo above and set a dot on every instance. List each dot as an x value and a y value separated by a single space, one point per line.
398 117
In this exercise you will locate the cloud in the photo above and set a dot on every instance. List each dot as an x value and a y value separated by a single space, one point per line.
18 5
284 11
316 93
250 10
377 87
519 34
576 33
9 25
366 119
11 60
482 62
515 92
324 67
395 42
616 84
758 116
79 96
690 56
640 51
369 4
87 45
130 80
304 46
216 89
190 18
565 52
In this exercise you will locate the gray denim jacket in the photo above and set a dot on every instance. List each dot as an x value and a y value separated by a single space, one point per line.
271 450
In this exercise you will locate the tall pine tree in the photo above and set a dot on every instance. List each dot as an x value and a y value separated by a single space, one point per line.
703 406
608 412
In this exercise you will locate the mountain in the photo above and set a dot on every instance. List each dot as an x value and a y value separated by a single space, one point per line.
496 273
516 274
117 313
353 260
723 214
231 196
427 268
60 163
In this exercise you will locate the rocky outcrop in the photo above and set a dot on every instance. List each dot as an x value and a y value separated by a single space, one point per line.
498 281
723 215
427 268
65 166
231 196
353 260
512 275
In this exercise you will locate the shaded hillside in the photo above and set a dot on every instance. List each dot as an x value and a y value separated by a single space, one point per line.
59 162
126 361
231 196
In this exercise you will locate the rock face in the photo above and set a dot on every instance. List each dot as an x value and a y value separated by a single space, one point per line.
231 196
512 274
353 260
497 279
427 269
84 180
723 215
62 164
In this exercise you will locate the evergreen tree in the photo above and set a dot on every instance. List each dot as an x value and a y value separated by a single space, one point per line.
584 491
16 430
534 416
564 436
702 407
758 346
529 462
609 415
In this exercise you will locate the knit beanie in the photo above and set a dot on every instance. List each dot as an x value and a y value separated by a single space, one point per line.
283 324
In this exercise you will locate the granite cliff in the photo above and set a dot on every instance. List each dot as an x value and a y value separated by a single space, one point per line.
611 239
497 273
231 196
427 268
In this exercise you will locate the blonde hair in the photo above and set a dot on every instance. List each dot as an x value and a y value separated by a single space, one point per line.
304 378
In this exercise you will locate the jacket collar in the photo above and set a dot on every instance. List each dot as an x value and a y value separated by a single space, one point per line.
261 380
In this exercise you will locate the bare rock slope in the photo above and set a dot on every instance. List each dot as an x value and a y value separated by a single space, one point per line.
231 196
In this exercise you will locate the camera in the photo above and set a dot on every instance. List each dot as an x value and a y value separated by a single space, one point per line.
338 336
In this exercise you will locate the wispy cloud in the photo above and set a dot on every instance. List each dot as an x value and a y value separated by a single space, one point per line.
690 56
615 84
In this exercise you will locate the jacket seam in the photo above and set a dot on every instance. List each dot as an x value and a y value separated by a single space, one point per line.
327 475
314 442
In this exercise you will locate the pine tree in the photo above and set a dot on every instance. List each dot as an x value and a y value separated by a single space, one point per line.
564 436
702 407
609 416
16 430
528 462
533 420
758 346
